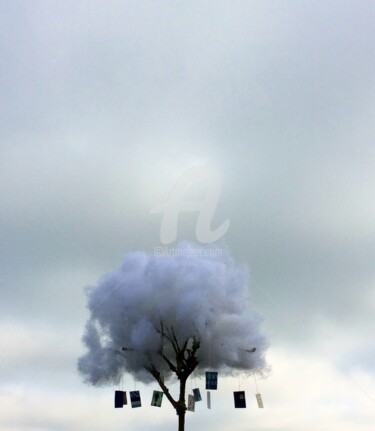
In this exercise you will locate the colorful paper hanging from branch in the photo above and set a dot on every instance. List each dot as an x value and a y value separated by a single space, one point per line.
259 400
157 398
135 399
211 380
191 403
239 400
120 399
197 394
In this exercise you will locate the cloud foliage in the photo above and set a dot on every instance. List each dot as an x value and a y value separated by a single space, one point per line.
191 293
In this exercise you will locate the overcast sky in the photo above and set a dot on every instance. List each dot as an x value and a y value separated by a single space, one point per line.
104 105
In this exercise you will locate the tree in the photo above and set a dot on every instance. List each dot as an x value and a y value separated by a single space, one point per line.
162 316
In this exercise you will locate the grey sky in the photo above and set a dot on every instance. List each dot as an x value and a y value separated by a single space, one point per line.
105 104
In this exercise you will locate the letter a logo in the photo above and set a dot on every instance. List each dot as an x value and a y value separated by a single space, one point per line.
205 208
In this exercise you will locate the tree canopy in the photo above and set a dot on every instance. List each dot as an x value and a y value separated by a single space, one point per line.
152 305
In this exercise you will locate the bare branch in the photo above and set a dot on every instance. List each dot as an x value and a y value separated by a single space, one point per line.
167 334
172 339
157 376
170 364
185 345
175 339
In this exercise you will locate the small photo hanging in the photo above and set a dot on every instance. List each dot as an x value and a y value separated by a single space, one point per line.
120 399
135 399
197 394
259 401
211 380
191 403
208 399
157 398
239 400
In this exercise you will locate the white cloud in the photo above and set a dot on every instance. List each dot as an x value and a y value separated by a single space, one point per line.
104 104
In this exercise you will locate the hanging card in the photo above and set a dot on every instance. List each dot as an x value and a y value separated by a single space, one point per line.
135 399
239 400
197 394
259 400
211 380
208 399
191 403
120 399
157 398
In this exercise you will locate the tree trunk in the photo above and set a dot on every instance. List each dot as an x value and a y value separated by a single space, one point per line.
181 421
186 362
182 405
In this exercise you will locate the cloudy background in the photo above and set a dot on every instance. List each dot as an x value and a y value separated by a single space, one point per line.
104 105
